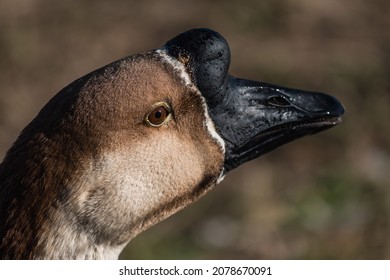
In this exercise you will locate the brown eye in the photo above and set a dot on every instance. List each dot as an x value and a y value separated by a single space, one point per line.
159 114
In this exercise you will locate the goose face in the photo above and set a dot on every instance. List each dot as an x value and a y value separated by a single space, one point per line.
155 149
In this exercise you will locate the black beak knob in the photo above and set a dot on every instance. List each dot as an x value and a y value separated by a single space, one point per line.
206 55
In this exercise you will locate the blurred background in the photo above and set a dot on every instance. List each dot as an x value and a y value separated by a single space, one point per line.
326 196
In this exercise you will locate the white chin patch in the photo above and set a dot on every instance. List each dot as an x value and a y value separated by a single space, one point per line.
185 77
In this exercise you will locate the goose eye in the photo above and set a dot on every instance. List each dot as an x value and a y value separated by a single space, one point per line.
158 114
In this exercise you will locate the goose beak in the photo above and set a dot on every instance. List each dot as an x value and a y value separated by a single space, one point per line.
254 118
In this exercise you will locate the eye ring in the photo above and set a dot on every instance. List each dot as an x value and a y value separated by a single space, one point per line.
158 114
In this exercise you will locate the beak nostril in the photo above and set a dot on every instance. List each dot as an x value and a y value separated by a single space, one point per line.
279 101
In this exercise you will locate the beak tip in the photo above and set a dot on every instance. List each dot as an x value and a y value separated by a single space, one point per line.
337 109
333 106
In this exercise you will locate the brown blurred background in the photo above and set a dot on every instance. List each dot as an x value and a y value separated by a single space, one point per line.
325 196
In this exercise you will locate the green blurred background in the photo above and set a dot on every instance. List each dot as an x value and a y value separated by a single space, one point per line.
325 196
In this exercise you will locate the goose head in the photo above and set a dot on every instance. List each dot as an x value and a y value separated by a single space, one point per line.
135 141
